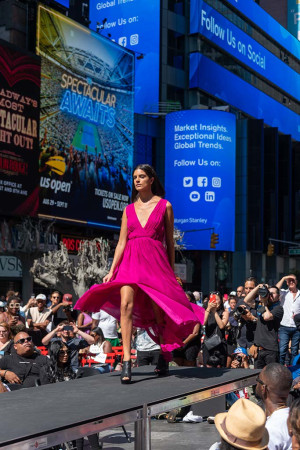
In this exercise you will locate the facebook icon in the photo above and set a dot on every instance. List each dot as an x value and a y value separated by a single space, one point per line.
122 41
202 181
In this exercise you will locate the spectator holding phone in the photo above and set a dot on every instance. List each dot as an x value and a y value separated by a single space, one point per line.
12 315
215 321
67 334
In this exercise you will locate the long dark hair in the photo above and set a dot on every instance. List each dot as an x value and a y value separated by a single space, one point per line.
55 372
156 188
99 333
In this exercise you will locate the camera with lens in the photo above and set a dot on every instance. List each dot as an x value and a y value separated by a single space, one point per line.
239 358
264 292
239 313
68 298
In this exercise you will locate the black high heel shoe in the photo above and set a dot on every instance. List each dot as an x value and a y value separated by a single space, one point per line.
162 368
126 372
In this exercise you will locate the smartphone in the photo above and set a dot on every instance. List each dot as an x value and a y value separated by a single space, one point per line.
212 298
68 328
32 296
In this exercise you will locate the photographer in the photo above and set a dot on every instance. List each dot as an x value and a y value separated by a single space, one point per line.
270 313
62 310
246 316
74 344
240 359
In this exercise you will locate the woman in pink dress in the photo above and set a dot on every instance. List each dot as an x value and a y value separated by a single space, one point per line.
141 289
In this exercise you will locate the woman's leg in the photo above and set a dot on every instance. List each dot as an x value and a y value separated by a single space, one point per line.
159 319
127 302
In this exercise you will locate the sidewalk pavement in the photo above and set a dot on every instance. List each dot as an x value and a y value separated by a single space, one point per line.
164 436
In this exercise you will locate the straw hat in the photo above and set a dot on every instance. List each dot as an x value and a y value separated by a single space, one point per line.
243 426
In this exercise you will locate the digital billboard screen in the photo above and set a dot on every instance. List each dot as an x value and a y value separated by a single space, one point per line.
19 130
135 25
268 24
210 77
212 25
200 176
86 122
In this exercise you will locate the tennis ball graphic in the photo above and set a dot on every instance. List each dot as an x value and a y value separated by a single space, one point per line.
57 164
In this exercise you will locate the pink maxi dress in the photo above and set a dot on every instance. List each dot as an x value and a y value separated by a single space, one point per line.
144 264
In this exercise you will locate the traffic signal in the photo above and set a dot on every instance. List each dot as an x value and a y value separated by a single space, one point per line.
214 239
270 251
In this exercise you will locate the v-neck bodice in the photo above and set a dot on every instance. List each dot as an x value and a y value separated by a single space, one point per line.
154 227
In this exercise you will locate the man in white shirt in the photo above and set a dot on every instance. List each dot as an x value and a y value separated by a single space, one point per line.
147 350
290 301
273 385
108 325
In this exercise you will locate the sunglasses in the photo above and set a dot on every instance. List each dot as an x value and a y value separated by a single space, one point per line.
63 352
215 293
14 305
258 380
54 297
23 340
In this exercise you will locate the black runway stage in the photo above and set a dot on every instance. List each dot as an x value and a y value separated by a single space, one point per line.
51 414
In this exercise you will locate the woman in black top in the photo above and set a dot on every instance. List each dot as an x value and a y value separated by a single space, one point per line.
60 370
215 321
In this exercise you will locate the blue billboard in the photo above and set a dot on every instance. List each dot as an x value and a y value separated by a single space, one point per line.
65 3
209 23
270 26
294 17
200 176
135 25
208 76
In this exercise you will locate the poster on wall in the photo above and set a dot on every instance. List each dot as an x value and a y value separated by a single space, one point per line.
200 176
86 122
19 130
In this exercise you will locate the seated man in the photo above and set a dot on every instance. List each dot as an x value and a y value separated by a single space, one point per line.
67 334
25 366
243 427
273 386
38 319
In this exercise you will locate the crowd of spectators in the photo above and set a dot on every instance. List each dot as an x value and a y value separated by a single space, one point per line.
256 326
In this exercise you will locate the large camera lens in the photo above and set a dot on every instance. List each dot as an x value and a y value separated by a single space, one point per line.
263 291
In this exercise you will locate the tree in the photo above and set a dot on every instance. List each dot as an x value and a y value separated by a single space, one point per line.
56 270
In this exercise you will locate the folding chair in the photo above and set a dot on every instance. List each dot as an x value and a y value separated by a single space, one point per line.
43 350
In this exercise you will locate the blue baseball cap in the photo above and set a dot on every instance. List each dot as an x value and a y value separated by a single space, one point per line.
240 350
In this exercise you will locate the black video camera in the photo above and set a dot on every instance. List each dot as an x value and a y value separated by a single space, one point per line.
239 313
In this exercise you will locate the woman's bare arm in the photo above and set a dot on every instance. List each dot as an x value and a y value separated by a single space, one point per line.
169 231
119 248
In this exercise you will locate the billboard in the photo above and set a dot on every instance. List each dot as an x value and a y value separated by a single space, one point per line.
200 176
214 79
19 128
134 24
86 122
268 24
294 17
211 24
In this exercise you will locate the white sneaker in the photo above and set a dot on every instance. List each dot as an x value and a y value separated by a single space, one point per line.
191 418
